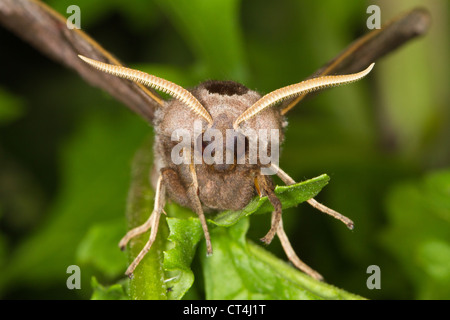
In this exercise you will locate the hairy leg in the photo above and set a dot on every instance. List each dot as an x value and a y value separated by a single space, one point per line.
192 194
265 185
152 222
288 181
290 253
187 197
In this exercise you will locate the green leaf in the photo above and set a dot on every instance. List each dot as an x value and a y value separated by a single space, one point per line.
434 258
148 278
114 292
99 249
418 234
87 197
240 269
185 234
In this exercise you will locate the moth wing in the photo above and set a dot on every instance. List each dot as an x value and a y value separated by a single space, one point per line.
370 47
47 30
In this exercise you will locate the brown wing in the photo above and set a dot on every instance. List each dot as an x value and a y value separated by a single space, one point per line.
46 30
365 50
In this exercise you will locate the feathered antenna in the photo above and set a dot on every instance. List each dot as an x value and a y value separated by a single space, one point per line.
154 82
297 89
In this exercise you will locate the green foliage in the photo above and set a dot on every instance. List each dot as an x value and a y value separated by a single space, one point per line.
66 150
418 233
221 52
99 239
185 234
113 292
240 269
11 107
148 278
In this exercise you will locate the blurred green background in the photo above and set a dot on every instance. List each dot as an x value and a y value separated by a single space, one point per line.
66 148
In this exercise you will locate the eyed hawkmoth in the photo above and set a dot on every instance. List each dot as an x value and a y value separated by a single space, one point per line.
53 38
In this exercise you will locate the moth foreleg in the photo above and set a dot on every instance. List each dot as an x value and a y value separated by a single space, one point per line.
290 253
267 189
348 222
152 222
174 187
192 193
187 196
314 203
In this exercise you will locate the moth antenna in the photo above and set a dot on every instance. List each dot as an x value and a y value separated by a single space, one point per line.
154 82
297 89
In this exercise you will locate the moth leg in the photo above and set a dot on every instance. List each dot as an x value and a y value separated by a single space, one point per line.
290 253
152 222
277 228
288 181
192 194
348 222
187 197
267 189
174 187
136 231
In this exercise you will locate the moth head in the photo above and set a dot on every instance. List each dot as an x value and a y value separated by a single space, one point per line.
226 100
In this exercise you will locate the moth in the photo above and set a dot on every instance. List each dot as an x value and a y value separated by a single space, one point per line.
217 105
223 106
